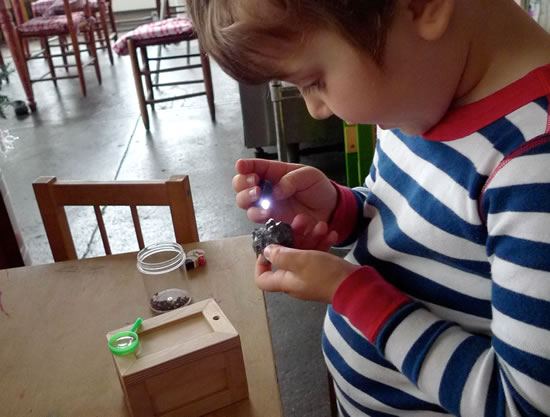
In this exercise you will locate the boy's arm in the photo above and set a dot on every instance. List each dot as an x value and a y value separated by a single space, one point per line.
472 374
347 215
348 218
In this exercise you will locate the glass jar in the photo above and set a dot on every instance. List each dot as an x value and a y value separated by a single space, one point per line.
165 276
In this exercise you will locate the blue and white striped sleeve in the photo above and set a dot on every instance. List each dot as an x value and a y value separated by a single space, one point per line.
349 218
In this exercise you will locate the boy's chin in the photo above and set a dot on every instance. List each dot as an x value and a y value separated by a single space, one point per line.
410 131
413 130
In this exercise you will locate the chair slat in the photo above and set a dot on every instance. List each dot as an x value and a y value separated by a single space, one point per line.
137 226
102 230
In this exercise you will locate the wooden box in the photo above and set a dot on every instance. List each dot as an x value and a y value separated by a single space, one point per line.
189 363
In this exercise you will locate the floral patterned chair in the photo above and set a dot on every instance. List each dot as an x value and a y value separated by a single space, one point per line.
164 32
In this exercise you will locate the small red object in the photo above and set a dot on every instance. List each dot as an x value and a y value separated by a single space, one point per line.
194 259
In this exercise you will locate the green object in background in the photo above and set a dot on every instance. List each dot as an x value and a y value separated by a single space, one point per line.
360 142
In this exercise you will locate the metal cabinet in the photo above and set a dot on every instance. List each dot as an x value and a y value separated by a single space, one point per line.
275 114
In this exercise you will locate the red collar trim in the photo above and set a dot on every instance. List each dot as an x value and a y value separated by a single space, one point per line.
465 120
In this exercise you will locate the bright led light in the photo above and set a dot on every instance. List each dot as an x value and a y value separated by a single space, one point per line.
265 203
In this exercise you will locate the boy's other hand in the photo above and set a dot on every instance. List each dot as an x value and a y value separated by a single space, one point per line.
305 274
310 234
297 189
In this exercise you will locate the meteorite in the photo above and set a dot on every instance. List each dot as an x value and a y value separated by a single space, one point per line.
272 232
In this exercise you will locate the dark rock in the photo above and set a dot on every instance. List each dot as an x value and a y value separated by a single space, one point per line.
272 232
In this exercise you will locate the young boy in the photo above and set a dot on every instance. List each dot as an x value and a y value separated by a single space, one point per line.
443 304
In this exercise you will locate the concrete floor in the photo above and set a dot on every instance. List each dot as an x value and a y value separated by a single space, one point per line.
101 137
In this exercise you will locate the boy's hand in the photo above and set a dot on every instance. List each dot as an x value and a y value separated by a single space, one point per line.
305 274
309 234
302 197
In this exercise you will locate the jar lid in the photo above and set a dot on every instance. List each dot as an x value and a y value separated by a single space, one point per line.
160 258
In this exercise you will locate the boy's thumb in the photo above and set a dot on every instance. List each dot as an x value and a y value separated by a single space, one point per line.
288 185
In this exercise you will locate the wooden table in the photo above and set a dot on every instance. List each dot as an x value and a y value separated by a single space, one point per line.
54 360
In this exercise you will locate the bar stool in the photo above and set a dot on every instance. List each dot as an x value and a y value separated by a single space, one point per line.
164 32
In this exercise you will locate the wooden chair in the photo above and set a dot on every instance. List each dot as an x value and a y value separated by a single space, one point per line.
164 32
52 197
76 19
101 10
9 33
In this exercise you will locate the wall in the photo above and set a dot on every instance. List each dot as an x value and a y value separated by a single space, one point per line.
129 5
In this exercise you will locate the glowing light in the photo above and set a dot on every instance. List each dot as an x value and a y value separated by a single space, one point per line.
265 203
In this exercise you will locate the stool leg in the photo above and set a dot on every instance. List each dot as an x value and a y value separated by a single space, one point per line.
98 30
93 52
63 49
103 17
87 42
207 74
76 50
48 55
112 19
147 73
139 84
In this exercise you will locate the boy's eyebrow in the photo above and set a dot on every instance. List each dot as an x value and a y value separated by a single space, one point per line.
296 75
301 76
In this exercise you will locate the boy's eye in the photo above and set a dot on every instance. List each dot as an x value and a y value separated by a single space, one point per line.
310 88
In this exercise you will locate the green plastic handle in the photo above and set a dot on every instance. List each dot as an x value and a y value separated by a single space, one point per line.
136 324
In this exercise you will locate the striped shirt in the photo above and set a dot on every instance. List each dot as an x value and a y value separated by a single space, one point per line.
450 311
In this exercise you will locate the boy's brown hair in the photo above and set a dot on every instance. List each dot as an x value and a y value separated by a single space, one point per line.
250 38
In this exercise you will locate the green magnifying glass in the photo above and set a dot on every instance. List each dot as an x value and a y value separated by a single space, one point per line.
123 343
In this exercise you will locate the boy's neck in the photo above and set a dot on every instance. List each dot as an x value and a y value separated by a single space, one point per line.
505 45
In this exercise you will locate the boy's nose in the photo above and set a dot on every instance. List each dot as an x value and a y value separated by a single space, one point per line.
318 109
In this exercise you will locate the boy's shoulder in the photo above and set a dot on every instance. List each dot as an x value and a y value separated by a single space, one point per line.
519 109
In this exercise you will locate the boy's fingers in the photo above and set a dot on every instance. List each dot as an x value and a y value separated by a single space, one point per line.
241 182
268 280
320 230
301 225
330 240
271 170
271 281
261 266
246 198
288 259
258 214
312 235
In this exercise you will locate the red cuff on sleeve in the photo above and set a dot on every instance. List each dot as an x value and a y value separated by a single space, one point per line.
345 214
368 301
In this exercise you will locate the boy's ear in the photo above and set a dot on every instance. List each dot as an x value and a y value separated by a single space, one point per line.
431 17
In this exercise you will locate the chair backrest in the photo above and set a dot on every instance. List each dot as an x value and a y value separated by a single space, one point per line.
53 195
